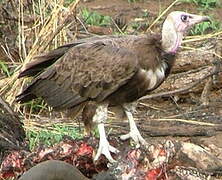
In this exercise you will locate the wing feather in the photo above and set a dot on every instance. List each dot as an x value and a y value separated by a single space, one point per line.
89 71
95 70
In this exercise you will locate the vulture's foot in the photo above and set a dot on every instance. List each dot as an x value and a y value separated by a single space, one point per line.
104 147
135 135
134 132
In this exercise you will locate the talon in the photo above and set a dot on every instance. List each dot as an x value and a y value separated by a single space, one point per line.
104 147
134 132
125 136
113 149
136 136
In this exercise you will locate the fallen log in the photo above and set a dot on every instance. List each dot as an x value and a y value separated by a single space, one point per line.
200 56
172 127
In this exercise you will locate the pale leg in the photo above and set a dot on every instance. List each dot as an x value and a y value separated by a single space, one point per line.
134 132
104 147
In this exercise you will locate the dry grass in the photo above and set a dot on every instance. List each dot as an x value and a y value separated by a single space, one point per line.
48 31
162 14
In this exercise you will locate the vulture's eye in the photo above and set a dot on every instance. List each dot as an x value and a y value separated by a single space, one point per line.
184 18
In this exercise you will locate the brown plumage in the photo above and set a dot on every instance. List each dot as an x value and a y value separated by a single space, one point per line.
107 70
99 70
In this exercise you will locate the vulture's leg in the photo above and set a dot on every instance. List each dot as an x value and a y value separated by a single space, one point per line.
87 117
104 147
134 132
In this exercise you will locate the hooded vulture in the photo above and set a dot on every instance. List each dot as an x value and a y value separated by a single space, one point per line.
108 71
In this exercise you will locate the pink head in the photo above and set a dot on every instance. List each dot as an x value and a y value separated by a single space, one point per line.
184 21
175 26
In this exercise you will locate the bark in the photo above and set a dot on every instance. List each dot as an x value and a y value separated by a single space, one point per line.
202 55
12 134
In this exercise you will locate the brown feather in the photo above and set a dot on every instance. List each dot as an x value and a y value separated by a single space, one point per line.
91 74
87 116
113 68
42 61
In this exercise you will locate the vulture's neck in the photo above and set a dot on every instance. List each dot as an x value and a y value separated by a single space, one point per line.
171 39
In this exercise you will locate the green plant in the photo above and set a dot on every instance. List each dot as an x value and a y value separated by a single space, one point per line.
4 68
35 106
68 2
205 4
52 135
94 18
205 27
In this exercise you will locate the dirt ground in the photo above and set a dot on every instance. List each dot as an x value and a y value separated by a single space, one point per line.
134 9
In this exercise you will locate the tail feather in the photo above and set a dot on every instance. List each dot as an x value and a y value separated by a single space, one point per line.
22 98
54 95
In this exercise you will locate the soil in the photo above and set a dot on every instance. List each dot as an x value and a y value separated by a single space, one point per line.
135 9
132 10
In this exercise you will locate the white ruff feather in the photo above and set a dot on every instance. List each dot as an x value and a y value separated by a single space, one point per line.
155 76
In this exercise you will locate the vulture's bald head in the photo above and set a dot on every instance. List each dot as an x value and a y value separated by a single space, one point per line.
183 21
175 26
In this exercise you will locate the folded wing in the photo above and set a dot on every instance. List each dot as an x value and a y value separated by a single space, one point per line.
88 71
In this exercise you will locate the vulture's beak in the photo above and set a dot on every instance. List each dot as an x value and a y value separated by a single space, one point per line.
195 19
